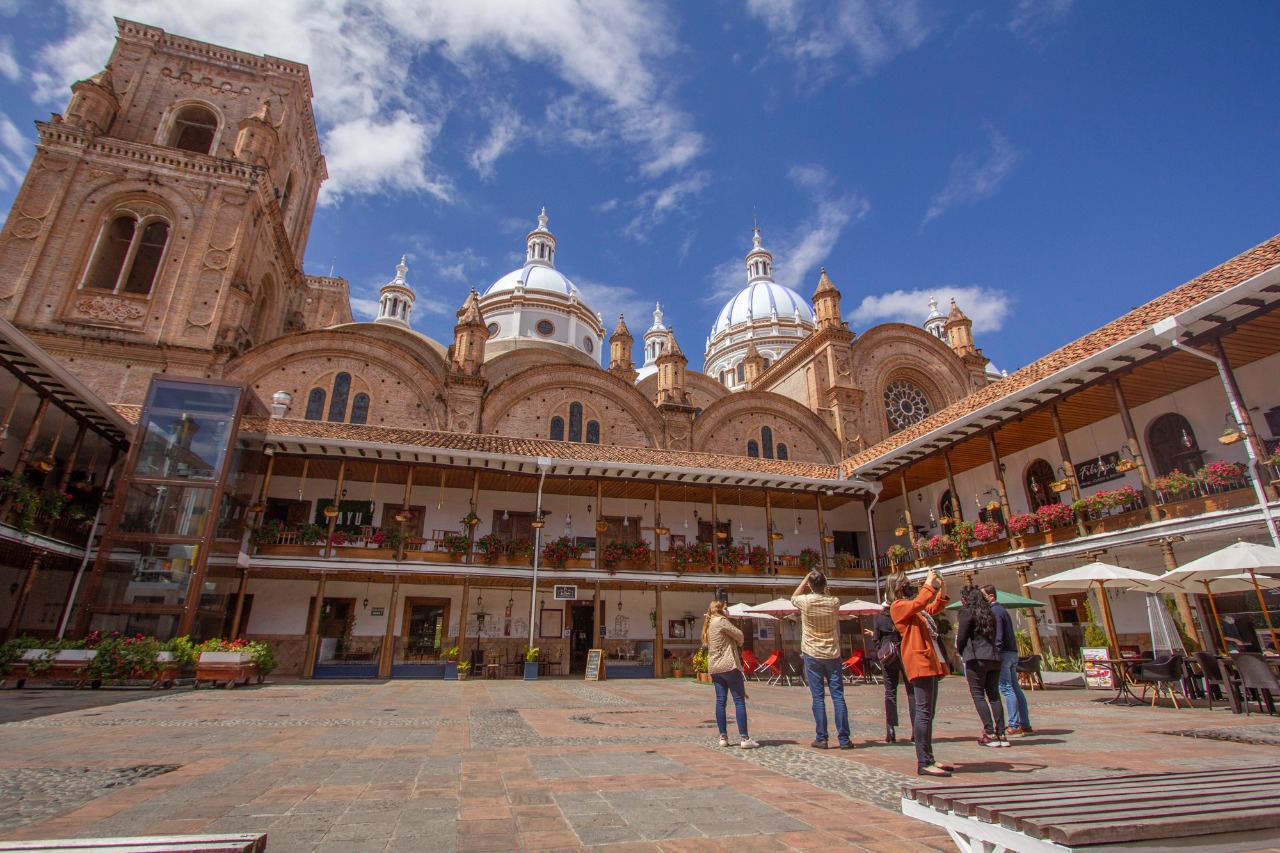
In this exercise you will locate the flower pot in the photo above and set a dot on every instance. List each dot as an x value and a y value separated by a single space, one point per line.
531 670
451 671
225 657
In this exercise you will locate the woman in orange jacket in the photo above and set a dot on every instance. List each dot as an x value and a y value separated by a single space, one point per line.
923 661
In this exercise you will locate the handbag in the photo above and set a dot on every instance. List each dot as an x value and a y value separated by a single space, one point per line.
888 652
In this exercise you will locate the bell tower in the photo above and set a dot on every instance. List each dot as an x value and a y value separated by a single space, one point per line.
162 223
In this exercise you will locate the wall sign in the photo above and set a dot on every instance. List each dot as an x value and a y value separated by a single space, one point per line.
1098 470
375 611
565 592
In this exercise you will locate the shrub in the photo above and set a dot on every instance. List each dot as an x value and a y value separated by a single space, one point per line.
557 552
120 658
491 547
808 559
1222 474
520 547
987 531
1023 523
456 543
700 660
897 553
1051 516
1174 483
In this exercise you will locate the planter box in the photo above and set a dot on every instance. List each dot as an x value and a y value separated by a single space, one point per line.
1123 521
67 665
986 549
451 670
704 677
288 550
531 670
230 667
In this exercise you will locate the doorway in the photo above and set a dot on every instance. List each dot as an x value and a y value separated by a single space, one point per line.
583 632
423 628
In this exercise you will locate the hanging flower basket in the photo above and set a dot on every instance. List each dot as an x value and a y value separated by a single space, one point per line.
993 506
1125 465
602 526
1060 485
775 536
662 531
720 534
331 511
470 520
897 531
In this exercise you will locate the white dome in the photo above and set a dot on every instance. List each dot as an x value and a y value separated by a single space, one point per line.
535 277
760 301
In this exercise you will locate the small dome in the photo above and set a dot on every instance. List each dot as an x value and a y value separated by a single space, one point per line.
535 277
760 301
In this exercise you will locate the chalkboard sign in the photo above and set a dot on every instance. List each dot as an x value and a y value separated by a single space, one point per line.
595 665
1098 470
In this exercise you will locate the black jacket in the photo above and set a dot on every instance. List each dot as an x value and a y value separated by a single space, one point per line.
885 629
972 645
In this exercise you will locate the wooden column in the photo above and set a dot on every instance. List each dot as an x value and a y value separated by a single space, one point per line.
599 516
957 505
598 622
462 619
239 608
1181 600
266 486
768 524
911 526
1068 466
388 655
470 557
1250 434
24 594
1131 438
337 496
10 409
33 432
408 500
76 444
659 669
657 537
1108 623
1037 647
715 533
313 629
1000 487
822 533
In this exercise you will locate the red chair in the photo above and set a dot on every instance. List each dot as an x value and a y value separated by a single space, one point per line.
771 667
749 663
853 666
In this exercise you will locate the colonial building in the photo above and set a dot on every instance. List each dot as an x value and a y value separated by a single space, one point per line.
367 497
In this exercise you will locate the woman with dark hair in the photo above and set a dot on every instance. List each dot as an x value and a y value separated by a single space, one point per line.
921 655
888 643
976 643
723 642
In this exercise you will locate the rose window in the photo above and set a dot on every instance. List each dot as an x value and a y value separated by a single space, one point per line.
905 404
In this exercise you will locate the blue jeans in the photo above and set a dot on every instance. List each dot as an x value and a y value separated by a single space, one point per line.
730 682
828 672
1015 701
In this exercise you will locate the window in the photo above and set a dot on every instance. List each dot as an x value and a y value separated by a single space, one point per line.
742 372
193 129
128 255
753 449
1038 477
338 405
905 404
545 328
766 442
589 345
494 328
360 409
574 431
782 452
557 429
575 422
593 432
315 404
1173 444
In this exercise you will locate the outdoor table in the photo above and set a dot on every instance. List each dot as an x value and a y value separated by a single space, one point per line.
1120 672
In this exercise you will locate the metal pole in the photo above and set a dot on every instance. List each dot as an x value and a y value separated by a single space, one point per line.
543 465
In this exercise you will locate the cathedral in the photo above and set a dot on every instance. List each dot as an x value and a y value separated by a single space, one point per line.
257 463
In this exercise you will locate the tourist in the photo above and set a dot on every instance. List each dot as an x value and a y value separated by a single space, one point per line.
1017 718
723 641
888 643
976 643
923 664
823 668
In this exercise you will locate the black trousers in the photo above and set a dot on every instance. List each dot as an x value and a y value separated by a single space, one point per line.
922 693
892 675
984 686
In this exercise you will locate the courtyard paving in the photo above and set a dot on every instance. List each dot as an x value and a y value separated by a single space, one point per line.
557 764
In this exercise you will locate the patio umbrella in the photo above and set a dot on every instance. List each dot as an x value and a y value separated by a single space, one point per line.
743 611
1009 600
859 608
1084 578
1234 559
779 608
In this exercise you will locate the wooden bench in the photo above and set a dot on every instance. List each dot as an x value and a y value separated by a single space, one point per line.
1204 810
237 843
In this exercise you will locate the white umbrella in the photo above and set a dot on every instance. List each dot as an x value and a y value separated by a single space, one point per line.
1098 574
859 608
779 608
1237 557
743 611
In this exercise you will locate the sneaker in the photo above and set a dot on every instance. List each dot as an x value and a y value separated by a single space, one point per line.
933 770
724 740
988 740
819 744
1014 730
847 745
748 743
1003 740
1027 730
889 735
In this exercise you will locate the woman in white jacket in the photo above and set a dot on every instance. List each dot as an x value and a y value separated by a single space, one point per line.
723 642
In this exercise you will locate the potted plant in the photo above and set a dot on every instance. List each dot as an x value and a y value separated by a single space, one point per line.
1051 516
1222 475
897 554
1022 523
1174 484
263 657
759 558
455 544
452 668
531 664
223 660
962 533
558 552
469 520
734 557
491 547
677 667
310 534
700 665
520 548
464 669
119 658
987 531
808 559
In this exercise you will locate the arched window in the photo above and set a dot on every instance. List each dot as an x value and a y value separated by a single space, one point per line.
360 408
315 404
753 449
338 404
1037 479
286 194
1172 443
904 404
128 255
766 442
575 422
193 129
742 372
593 432
782 451
557 428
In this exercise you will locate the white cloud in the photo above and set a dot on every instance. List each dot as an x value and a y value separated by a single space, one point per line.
657 204
9 67
15 153
606 58
987 308
1032 17
817 35
799 251
975 175
612 300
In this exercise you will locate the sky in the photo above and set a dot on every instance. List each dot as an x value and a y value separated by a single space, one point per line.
1047 163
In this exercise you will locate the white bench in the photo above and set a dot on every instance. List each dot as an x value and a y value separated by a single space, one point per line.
231 843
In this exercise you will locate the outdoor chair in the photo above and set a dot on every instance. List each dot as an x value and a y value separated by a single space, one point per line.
793 667
1256 675
1159 674
853 667
771 668
749 663
1217 680
1028 670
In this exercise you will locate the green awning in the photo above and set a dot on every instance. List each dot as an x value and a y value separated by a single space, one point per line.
1009 600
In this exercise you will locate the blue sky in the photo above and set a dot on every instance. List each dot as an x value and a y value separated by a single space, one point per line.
1050 163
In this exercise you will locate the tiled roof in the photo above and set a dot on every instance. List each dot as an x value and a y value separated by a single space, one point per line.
1223 277
527 447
